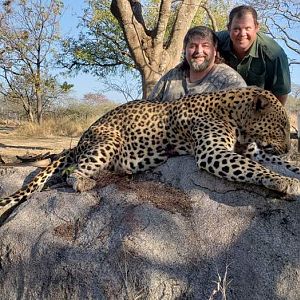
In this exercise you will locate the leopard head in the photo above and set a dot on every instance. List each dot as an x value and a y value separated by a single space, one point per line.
266 123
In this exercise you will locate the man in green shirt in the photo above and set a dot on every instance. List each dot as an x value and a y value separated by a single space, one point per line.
257 57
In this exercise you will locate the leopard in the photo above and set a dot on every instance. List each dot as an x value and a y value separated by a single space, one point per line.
139 135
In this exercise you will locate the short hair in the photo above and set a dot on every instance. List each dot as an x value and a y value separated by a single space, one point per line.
203 32
241 11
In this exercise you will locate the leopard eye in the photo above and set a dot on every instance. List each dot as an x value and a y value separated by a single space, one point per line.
269 149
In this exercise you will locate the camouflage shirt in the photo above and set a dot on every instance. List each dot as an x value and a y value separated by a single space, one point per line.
175 83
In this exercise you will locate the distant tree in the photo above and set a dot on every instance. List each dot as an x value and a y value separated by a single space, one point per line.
94 99
128 85
132 35
6 9
28 34
296 91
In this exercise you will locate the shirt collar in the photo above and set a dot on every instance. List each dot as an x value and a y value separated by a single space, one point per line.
254 49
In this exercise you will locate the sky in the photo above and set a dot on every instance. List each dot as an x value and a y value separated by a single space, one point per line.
85 83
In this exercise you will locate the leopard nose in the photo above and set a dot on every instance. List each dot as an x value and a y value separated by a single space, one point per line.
285 149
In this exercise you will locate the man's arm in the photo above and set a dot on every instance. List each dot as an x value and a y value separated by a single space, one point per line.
279 73
228 77
282 98
162 90
158 91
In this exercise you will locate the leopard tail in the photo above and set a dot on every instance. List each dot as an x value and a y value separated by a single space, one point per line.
65 159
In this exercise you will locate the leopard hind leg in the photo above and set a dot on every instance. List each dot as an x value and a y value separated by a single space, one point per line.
91 160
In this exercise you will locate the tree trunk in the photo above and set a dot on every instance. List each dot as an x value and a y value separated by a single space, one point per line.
30 115
152 55
39 112
38 91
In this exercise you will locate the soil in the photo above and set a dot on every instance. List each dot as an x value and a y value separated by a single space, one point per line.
12 144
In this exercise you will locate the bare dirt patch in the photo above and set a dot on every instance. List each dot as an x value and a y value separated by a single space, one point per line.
12 144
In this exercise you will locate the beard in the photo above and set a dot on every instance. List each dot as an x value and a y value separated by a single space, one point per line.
196 67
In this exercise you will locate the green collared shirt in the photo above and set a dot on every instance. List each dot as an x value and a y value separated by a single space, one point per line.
265 66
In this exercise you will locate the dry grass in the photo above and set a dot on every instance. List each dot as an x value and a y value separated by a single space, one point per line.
63 126
222 285
70 122
293 120
133 286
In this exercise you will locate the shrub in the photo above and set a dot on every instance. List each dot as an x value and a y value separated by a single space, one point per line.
71 121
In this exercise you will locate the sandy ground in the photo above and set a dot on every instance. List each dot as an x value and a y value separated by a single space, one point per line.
12 145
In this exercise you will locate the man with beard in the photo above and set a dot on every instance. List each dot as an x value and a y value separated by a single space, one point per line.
199 72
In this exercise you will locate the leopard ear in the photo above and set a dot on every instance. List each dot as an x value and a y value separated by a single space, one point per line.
260 103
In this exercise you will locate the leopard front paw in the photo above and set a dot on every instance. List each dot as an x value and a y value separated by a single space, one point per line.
290 189
80 183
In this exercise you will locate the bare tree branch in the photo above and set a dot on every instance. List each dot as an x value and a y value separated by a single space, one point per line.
282 21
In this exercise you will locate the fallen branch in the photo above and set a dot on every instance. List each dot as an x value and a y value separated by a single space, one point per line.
39 164
39 161
31 158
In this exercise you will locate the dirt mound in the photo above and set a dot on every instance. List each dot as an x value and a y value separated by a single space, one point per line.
188 236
